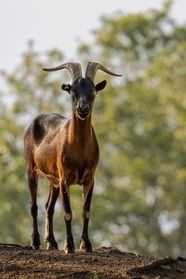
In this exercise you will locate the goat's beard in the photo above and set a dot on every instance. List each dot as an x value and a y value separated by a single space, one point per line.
82 116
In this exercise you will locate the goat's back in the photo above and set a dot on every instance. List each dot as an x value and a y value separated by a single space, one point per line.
42 131
43 125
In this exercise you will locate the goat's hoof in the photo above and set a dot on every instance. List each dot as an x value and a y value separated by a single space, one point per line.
69 247
36 247
52 247
69 251
51 244
85 246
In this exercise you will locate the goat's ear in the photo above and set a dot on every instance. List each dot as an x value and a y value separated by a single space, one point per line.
66 87
100 86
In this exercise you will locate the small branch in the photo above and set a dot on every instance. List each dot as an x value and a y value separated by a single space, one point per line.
153 264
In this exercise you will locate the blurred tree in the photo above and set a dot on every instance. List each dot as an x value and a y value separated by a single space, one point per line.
30 92
138 202
140 125
12 176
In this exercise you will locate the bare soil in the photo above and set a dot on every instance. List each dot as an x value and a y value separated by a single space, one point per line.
19 262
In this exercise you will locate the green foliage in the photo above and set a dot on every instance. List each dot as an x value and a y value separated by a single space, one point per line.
94 275
138 202
30 92
141 130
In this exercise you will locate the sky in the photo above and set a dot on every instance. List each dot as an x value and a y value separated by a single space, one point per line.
61 24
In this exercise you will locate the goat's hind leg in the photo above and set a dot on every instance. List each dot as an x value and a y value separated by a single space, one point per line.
33 185
85 244
49 236
69 246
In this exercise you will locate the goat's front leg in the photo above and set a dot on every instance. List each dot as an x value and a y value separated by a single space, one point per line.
33 185
85 244
69 241
49 236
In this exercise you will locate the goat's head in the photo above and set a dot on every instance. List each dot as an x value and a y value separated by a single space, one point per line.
83 90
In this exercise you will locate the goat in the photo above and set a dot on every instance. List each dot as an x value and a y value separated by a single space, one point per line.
66 152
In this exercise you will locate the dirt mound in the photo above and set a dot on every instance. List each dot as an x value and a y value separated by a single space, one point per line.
105 262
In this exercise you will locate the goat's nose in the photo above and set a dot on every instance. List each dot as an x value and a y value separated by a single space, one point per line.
83 106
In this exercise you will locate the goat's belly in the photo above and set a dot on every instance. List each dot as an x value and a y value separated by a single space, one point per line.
70 178
81 178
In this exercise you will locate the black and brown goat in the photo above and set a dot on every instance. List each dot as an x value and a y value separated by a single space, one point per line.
66 152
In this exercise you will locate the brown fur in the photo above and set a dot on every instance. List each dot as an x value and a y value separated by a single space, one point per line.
65 152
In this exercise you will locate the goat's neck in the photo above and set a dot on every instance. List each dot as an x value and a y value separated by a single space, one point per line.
80 130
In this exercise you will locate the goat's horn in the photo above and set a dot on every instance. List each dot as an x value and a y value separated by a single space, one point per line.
73 67
93 67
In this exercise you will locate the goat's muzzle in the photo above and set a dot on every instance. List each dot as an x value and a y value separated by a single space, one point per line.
83 111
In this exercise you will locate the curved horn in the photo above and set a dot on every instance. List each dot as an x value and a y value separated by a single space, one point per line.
73 67
93 67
